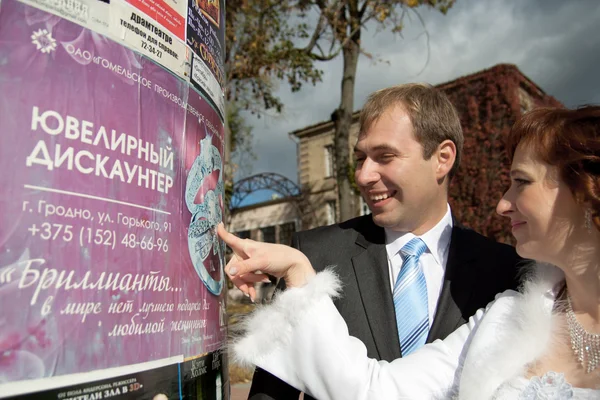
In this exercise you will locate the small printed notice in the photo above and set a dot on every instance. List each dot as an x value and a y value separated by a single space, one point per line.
170 14
161 39
203 78
206 38
133 27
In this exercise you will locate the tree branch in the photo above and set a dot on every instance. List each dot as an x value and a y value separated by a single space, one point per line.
327 57
363 9
316 34
426 33
326 13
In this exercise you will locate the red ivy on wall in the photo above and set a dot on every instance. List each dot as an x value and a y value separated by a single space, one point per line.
488 104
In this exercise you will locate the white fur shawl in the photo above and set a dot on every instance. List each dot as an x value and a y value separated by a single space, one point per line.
270 326
509 339
510 335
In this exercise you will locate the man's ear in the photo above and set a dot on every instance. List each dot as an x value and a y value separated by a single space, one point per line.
445 156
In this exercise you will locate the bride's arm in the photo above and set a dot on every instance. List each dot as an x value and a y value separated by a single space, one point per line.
302 339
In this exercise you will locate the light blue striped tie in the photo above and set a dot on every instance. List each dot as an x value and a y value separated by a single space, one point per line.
410 299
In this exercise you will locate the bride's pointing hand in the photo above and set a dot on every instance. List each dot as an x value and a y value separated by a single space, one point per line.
251 257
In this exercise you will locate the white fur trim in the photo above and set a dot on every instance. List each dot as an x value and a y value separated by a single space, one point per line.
269 327
520 337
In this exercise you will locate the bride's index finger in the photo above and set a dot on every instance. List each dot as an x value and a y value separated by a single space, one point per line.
236 244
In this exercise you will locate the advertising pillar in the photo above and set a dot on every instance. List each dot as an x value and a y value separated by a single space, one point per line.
111 177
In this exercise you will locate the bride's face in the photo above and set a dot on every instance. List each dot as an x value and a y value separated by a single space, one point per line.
543 214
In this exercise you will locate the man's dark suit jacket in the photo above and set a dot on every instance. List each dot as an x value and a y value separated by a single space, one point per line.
477 269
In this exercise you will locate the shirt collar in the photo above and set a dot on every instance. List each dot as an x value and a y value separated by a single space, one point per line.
437 238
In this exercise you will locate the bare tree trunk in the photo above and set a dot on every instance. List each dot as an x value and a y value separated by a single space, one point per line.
342 119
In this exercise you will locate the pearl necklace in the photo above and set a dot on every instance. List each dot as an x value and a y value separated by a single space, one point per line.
585 345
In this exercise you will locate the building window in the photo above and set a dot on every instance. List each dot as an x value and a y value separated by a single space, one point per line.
364 208
285 233
240 234
526 101
328 161
243 234
330 212
268 234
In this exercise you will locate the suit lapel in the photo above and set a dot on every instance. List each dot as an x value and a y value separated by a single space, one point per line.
457 288
372 274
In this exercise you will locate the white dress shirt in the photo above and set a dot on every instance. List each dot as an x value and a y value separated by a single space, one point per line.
433 260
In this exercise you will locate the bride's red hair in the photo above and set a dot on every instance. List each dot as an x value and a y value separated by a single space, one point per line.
568 140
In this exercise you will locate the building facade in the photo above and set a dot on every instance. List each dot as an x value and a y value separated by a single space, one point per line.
273 221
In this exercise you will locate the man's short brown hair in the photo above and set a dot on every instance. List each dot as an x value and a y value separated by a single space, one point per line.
433 117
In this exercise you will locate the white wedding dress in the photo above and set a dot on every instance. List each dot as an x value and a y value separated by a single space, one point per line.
551 386
302 339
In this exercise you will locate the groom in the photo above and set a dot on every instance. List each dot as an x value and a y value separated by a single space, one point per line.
409 147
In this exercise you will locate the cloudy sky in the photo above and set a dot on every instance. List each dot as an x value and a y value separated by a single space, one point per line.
556 43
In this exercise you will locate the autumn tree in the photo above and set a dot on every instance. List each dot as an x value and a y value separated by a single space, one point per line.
260 53
240 139
239 150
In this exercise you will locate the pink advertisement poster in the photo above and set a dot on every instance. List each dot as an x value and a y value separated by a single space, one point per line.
112 188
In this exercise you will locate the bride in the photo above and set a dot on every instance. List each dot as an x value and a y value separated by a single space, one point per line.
540 343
